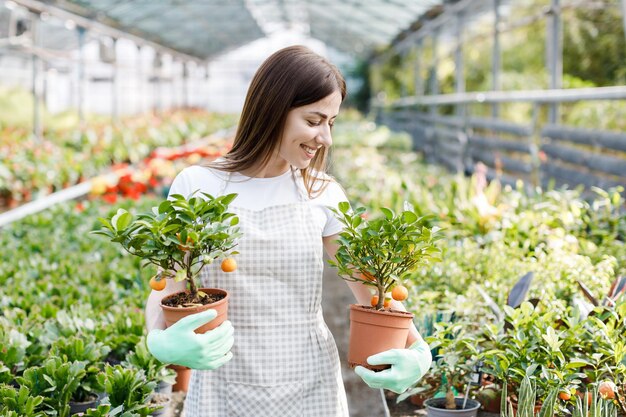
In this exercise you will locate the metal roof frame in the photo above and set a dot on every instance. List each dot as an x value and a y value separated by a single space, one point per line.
202 29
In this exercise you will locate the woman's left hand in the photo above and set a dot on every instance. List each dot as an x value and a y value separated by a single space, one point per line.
407 367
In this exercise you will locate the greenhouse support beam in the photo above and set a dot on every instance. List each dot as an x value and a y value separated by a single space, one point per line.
36 81
39 6
458 62
186 84
114 87
419 84
430 26
140 81
496 65
554 49
80 32
537 96
434 81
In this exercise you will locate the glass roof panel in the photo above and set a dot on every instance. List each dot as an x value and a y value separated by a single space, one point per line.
205 28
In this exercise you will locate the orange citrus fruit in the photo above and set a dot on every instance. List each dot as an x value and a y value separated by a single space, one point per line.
399 293
229 265
607 389
374 301
157 285
565 396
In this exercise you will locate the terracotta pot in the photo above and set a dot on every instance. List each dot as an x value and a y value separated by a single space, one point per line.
183 374
173 314
373 331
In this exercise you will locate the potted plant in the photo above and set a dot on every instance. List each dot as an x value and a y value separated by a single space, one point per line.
456 367
86 349
379 253
56 381
181 236
128 388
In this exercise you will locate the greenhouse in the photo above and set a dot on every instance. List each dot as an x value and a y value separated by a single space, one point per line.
330 208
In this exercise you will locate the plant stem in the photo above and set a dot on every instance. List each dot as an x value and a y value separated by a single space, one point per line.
192 285
381 297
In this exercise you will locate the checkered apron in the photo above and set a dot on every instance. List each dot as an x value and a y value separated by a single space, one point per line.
285 360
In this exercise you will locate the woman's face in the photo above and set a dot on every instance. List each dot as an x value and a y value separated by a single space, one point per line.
307 129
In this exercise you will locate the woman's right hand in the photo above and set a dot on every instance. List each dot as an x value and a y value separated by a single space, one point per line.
180 345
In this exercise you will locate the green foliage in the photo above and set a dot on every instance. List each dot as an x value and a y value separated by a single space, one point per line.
180 236
122 330
57 381
128 388
86 349
456 353
386 248
526 401
19 403
593 45
13 346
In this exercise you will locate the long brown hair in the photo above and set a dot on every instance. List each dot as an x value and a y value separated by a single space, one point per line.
292 77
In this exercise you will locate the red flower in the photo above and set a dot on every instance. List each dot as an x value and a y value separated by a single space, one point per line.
110 198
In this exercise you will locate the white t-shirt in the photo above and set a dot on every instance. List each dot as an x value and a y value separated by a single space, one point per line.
260 193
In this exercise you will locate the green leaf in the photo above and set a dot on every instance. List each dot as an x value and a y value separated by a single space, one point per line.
165 206
578 363
105 222
344 207
227 199
409 217
170 228
122 219
181 274
388 213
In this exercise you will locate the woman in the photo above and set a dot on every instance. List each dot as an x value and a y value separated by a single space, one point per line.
275 356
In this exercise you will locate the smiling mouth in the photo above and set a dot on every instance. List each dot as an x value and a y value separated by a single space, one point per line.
309 151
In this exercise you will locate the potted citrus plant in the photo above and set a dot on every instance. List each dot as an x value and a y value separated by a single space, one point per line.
379 253
181 236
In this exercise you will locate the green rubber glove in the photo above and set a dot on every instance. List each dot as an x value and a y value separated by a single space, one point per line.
179 345
407 367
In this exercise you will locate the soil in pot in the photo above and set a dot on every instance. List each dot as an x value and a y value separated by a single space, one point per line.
183 298
373 331
436 407
172 314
